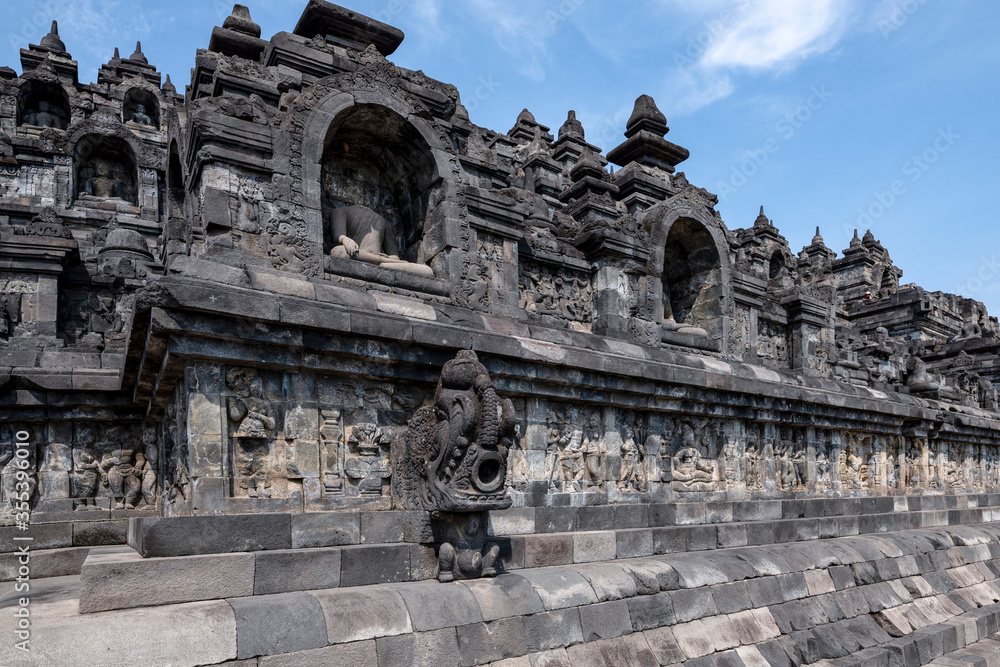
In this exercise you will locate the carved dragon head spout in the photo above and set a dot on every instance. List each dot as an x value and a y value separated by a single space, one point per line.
455 457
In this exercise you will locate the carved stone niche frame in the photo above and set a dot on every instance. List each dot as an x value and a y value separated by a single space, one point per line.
379 147
689 269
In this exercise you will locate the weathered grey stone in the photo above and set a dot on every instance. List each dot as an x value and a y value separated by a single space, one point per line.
610 581
546 550
296 570
605 620
628 650
594 546
354 614
480 643
689 605
325 529
553 629
190 535
123 581
363 565
269 624
433 605
354 654
438 648
505 595
651 611
559 588
198 633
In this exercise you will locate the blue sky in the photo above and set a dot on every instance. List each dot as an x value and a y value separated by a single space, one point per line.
837 113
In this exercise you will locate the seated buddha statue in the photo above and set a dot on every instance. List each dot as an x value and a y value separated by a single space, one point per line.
362 234
102 185
140 116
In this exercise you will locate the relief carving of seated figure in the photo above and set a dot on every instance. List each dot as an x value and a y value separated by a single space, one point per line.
45 116
970 330
362 234
691 472
102 185
139 116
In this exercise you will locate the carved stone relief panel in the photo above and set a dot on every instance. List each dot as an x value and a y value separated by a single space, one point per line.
556 292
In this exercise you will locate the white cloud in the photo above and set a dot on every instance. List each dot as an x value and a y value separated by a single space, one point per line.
522 29
769 33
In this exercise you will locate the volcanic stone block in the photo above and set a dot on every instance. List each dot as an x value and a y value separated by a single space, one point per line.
594 546
596 517
384 527
122 581
355 654
691 604
663 644
212 534
552 629
610 581
45 563
438 648
98 533
433 605
651 611
503 596
489 642
627 650
605 620
559 588
204 633
296 570
546 550
634 543
44 536
670 540
731 598
555 519
269 624
325 529
362 565
353 614
765 591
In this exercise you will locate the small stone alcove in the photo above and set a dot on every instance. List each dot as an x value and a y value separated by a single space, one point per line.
692 276
374 158
43 104
105 169
140 105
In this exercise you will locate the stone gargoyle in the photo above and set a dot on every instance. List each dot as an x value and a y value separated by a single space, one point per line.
454 465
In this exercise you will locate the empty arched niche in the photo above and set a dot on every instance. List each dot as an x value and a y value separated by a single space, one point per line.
776 265
175 184
105 169
43 105
141 106
374 159
692 276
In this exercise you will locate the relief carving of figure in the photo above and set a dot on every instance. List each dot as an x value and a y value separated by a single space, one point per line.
691 472
553 437
630 458
752 467
571 460
593 453
822 471
86 471
254 418
362 234
253 412
119 474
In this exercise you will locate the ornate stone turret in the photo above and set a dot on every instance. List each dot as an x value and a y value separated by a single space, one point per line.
526 128
138 56
238 36
572 143
51 42
51 50
644 141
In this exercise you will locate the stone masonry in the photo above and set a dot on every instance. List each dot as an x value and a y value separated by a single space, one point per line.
306 327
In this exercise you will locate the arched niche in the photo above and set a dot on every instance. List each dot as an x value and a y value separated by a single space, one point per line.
141 106
777 265
43 104
175 184
373 157
105 169
692 276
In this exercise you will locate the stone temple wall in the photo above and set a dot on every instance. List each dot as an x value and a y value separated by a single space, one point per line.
234 301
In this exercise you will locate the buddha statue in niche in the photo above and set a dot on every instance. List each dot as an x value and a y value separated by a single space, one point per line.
140 116
46 116
360 233
102 185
